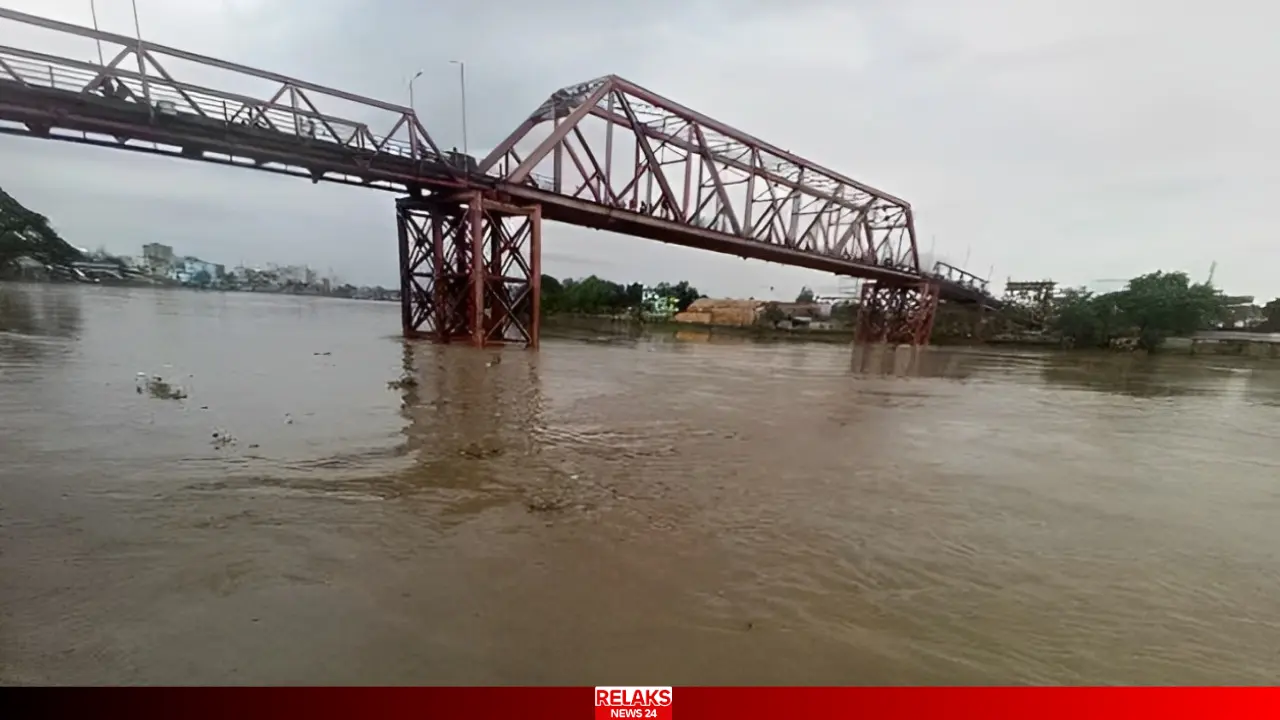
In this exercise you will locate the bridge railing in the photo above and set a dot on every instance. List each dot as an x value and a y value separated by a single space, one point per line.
951 273
136 74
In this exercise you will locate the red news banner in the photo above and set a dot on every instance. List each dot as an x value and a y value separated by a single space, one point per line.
656 703
640 703
647 703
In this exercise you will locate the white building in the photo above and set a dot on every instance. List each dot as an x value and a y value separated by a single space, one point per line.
658 305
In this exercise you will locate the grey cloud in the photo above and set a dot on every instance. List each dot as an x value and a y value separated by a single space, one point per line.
1078 140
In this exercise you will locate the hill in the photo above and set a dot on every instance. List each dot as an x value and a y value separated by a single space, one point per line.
24 232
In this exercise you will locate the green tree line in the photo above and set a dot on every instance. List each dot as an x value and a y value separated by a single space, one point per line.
1148 310
596 296
25 233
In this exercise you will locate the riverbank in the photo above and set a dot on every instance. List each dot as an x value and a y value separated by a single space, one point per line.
596 328
562 323
354 293
621 326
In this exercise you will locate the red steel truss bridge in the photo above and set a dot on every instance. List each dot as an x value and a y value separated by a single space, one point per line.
606 154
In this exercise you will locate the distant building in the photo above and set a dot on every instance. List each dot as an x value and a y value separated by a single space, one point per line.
98 270
1241 312
298 274
194 270
712 311
157 256
659 306
809 310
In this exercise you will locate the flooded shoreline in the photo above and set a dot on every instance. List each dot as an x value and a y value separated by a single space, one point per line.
657 510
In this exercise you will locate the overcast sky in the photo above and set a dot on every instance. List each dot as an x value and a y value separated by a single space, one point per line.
1073 139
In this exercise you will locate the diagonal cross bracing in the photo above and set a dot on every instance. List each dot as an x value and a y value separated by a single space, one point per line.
611 142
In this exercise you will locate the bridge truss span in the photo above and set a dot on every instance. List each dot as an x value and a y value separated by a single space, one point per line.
613 155
633 153
144 97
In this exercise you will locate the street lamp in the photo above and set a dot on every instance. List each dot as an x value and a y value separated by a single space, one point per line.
411 105
462 82
142 65
93 12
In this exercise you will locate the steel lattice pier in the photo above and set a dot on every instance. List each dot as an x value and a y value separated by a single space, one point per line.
470 270
897 314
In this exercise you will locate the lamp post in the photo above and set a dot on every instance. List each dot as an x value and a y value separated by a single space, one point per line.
93 12
411 105
142 65
462 83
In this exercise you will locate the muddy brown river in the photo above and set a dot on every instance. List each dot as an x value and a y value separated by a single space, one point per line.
630 511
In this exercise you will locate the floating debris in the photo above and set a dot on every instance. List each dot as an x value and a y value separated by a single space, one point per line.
222 438
477 452
158 388
546 504
403 383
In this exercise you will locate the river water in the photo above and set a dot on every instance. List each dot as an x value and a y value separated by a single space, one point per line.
660 511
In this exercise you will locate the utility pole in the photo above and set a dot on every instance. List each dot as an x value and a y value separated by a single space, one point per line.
411 105
462 83
142 65
93 12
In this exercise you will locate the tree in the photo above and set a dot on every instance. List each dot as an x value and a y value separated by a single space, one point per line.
1159 305
552 295
1077 318
1150 308
682 292
202 278
593 295
27 233
805 296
